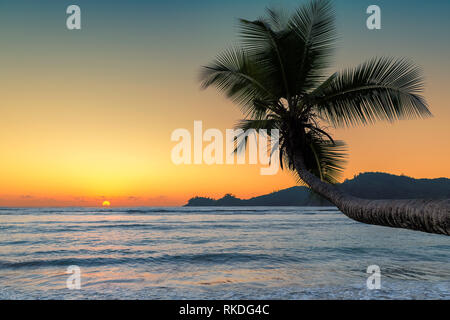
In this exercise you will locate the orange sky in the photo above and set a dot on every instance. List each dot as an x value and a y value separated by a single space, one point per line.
77 151
81 126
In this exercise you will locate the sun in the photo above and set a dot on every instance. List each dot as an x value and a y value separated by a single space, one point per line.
106 203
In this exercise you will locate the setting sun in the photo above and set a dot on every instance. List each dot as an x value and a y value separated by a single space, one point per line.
106 203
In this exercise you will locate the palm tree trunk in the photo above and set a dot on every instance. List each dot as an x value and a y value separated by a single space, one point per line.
431 216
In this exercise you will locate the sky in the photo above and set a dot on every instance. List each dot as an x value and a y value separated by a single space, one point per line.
87 115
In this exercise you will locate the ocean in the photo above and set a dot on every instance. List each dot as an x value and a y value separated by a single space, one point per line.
214 253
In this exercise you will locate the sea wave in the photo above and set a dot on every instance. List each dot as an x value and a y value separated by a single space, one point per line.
214 253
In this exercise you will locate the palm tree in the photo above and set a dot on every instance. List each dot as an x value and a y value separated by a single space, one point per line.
276 75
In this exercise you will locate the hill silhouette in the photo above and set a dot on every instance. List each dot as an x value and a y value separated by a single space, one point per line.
370 185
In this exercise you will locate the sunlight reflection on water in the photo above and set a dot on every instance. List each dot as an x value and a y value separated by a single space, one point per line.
214 253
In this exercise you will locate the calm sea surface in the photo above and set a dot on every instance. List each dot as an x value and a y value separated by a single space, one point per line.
214 253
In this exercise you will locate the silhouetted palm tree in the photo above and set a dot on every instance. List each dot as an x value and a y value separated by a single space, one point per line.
277 76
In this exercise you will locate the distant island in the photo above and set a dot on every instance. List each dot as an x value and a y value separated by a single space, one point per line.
370 185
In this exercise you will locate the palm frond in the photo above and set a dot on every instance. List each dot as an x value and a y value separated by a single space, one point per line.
267 124
326 159
238 76
380 89
277 18
314 24
246 125
264 45
262 109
